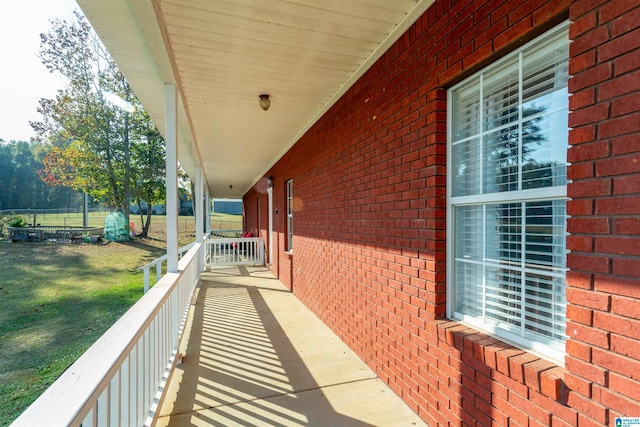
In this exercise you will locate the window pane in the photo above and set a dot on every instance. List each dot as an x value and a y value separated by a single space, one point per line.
545 71
503 298
466 167
290 215
545 235
544 150
545 132
469 233
500 100
501 161
468 289
504 234
466 110
545 307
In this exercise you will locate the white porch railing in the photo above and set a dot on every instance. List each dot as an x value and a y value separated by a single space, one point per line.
158 263
117 381
236 251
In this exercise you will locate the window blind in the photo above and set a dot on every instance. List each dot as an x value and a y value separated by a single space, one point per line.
508 136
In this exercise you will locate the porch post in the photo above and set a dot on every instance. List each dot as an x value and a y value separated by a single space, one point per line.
270 234
207 220
171 140
197 209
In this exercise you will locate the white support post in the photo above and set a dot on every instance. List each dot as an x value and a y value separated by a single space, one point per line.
270 233
171 140
197 208
207 225
199 212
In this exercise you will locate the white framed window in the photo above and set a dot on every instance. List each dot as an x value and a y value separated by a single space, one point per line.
506 196
290 215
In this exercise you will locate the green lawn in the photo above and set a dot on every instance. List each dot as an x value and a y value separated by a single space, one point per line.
96 219
56 299
158 222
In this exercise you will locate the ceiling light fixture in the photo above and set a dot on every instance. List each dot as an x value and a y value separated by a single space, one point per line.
265 103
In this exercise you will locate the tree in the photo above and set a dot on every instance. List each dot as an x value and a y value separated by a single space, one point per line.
98 147
20 186
148 168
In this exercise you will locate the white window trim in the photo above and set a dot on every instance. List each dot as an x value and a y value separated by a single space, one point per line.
530 195
289 225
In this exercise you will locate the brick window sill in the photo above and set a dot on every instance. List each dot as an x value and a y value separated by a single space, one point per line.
526 368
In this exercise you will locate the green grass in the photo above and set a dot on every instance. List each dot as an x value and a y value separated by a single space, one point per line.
96 219
56 299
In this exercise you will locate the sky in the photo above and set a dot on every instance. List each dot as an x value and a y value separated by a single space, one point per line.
23 78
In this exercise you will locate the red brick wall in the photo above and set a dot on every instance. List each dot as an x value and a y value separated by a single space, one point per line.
249 218
258 226
370 228
603 360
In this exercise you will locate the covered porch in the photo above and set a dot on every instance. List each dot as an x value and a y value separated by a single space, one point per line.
219 343
459 180
230 346
200 67
253 354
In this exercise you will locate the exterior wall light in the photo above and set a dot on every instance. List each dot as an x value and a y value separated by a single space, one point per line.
265 103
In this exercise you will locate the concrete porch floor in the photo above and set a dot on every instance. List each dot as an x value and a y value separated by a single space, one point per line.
256 356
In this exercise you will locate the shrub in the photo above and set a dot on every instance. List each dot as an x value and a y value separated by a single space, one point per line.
17 221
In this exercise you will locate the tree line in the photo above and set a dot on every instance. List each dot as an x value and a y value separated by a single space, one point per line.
20 184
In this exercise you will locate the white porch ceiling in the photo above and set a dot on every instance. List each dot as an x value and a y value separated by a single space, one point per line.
223 54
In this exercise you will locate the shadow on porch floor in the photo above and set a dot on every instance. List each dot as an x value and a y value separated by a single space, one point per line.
256 356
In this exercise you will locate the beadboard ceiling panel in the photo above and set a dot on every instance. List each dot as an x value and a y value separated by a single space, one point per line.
223 54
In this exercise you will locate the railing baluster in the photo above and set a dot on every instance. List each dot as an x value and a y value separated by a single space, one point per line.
146 279
114 400
153 347
140 401
174 322
102 409
158 270
147 401
124 393
165 337
89 420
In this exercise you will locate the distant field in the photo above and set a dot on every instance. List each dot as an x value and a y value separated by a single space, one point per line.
96 219
56 299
